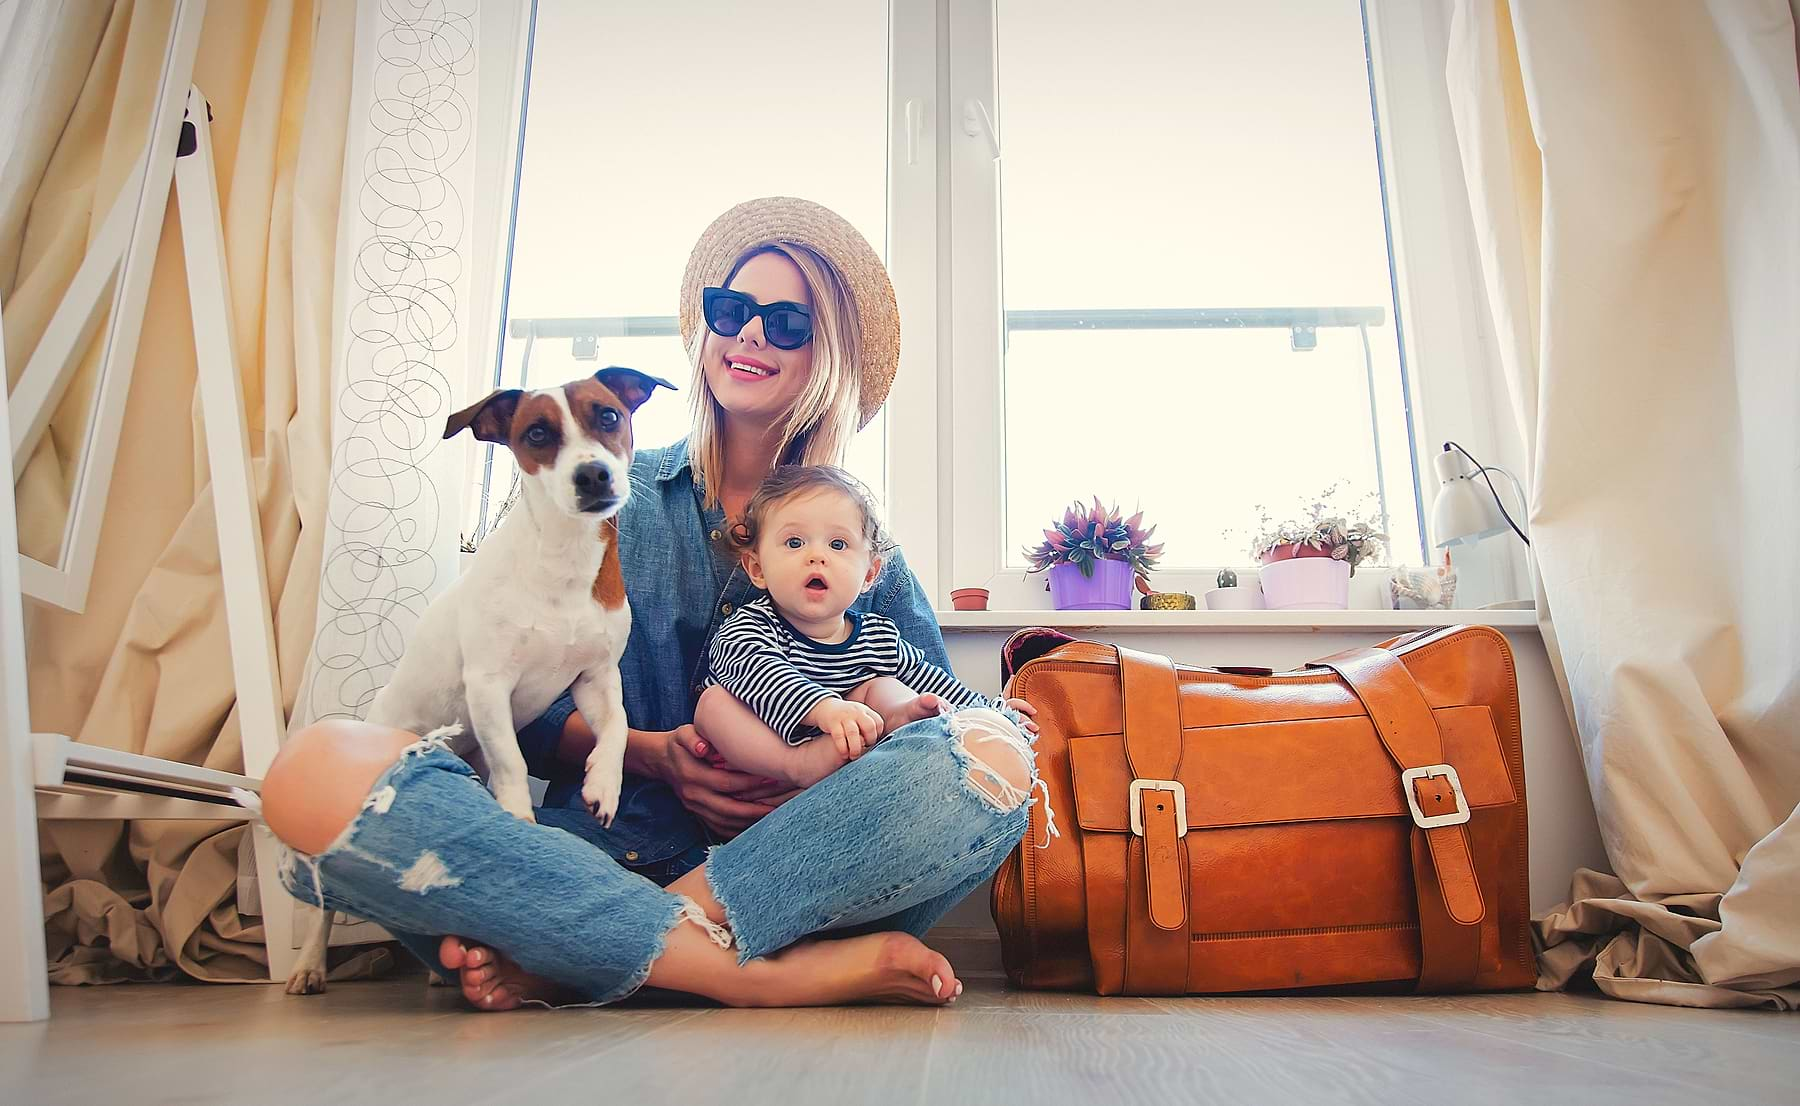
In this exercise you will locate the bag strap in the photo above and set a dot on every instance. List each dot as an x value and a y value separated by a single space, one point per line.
1156 900
1450 903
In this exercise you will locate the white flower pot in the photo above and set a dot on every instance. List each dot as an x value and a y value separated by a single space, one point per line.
1244 597
1306 584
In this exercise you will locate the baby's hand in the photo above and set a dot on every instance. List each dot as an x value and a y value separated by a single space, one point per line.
852 726
1025 709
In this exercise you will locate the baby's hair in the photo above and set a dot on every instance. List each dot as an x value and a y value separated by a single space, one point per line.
788 481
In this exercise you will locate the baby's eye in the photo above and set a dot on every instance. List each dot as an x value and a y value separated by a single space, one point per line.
794 543
839 544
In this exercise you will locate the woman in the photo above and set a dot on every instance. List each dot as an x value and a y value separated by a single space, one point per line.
396 829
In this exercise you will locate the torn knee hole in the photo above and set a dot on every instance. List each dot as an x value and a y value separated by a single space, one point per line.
999 763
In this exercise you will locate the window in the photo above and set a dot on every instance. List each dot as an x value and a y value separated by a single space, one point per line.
644 122
1196 306
1145 252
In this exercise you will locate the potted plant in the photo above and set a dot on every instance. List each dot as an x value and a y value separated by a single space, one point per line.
1307 562
1094 555
1228 596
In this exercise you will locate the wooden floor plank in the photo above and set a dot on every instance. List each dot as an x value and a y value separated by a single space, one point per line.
395 1041
822 1057
1702 1054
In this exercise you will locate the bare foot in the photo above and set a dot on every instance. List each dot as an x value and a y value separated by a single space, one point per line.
491 983
905 714
876 967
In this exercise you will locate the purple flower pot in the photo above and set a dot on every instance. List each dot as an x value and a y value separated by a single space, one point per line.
1108 589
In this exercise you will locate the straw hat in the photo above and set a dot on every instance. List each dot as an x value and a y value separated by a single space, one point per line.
778 219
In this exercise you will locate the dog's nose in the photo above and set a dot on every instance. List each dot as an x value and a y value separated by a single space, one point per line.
592 480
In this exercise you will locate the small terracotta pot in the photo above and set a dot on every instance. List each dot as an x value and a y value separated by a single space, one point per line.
969 599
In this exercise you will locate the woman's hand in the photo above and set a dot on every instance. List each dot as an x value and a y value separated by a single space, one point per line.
726 801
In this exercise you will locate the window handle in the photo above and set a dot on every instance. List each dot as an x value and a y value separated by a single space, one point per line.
977 123
915 118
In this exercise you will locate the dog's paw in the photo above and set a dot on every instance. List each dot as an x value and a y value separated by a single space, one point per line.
601 791
517 802
306 981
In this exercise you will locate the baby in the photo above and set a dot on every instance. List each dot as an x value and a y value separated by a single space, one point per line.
799 663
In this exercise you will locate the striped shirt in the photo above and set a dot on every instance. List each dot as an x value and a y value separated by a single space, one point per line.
781 674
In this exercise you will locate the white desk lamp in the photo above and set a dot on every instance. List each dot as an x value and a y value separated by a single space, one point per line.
1466 511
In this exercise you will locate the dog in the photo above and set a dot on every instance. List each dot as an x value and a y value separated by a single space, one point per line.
542 608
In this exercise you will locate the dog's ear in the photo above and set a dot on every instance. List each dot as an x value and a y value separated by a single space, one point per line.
491 419
632 387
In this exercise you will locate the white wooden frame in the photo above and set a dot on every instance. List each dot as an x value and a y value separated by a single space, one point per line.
24 989
116 272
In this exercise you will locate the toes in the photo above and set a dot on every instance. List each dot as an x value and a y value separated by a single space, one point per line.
938 974
451 952
480 993
502 998
478 956
936 979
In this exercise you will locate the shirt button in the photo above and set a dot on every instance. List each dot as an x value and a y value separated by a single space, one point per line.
715 535
632 855
725 608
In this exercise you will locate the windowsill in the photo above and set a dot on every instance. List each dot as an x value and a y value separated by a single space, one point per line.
1233 621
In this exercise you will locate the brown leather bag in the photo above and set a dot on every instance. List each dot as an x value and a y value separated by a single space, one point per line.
1357 822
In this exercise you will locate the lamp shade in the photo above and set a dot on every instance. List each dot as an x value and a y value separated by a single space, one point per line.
1464 511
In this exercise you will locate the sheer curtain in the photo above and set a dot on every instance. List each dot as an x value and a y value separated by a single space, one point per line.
1634 171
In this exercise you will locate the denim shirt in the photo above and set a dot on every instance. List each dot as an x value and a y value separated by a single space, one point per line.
682 584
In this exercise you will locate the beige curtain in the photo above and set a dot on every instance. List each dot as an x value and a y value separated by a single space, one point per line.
147 666
1634 170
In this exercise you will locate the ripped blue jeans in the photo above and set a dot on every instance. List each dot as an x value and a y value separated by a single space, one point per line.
890 841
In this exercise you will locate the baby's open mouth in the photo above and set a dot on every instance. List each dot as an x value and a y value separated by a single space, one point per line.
816 583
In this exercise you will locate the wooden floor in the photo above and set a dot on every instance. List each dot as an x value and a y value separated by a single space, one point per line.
397 1042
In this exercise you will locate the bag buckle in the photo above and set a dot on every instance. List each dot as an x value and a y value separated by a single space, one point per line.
1410 776
1138 787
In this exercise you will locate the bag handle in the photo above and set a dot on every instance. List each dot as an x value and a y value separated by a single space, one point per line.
1451 907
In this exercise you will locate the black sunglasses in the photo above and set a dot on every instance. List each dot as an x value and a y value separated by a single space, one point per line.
785 325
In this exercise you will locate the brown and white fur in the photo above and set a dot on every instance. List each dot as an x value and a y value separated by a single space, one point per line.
542 608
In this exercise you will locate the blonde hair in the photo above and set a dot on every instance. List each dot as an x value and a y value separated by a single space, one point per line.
818 429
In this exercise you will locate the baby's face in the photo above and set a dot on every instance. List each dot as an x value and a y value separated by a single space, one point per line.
812 556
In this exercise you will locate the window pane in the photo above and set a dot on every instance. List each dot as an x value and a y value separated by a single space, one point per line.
648 121
1180 158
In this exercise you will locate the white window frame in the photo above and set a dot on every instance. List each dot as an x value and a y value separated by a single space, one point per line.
917 467
945 503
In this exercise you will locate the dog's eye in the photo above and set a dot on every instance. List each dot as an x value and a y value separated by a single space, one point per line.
538 435
609 419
